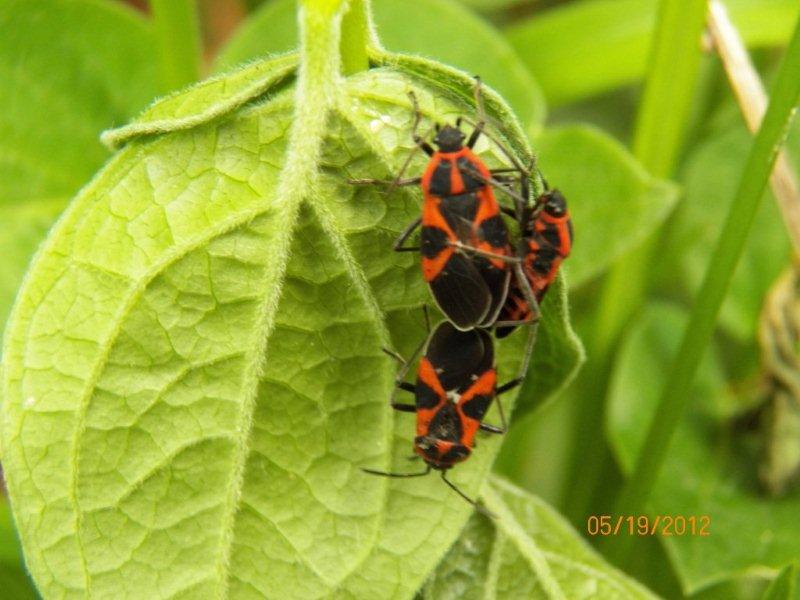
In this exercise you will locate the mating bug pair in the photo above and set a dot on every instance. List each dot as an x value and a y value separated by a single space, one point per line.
468 262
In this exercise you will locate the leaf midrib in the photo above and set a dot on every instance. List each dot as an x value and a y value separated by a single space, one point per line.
315 93
625 586
527 547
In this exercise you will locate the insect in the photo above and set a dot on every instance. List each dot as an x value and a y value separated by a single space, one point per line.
467 259
456 384
546 240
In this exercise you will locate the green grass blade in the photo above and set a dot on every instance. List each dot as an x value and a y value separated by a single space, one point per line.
674 62
661 126
675 395
178 34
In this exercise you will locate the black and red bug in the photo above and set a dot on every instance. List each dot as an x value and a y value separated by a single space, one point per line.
456 384
464 242
546 237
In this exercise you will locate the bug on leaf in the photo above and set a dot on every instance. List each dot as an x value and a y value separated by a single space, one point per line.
467 259
545 241
455 386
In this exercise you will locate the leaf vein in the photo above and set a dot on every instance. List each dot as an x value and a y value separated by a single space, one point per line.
526 545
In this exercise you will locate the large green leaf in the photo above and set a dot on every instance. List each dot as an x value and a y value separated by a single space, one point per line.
528 551
585 48
614 203
194 372
70 68
440 29
710 177
707 472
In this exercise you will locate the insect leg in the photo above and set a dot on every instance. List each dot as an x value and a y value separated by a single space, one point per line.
387 474
461 246
481 122
398 243
392 182
524 367
479 507
419 141
533 318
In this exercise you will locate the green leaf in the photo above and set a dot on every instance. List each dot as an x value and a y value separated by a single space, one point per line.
614 203
707 471
14 581
785 586
24 226
558 354
710 176
751 587
529 551
210 99
69 69
194 374
447 32
586 48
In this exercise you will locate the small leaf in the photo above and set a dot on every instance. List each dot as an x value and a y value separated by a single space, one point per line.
615 204
447 33
215 97
586 48
194 374
528 551
708 471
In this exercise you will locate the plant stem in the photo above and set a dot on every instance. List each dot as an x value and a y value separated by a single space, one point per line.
178 36
661 126
355 37
752 99
675 395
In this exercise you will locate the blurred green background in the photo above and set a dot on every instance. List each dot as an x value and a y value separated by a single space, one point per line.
573 70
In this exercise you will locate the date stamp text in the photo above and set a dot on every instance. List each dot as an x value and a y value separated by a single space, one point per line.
642 525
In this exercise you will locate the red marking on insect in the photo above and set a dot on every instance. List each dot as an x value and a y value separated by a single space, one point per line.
459 207
466 254
455 386
546 242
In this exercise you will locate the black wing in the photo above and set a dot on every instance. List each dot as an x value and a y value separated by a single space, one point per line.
459 356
